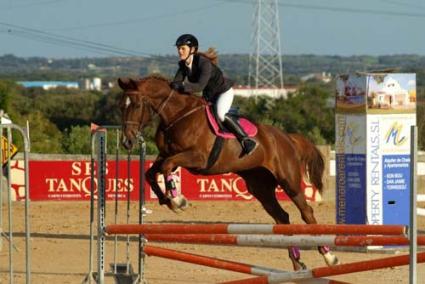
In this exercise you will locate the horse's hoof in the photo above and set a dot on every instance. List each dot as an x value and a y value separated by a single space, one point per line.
331 259
173 207
179 202
299 265
146 211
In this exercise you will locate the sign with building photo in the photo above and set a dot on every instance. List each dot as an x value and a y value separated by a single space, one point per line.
375 112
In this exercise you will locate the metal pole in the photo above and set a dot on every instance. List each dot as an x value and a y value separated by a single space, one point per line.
117 153
92 166
101 170
1 189
128 211
141 207
413 199
10 209
27 200
27 147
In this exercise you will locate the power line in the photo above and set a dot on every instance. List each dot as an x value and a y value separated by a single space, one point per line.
39 35
403 4
339 9
138 20
31 4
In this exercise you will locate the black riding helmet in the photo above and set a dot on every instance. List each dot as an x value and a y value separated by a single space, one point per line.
187 39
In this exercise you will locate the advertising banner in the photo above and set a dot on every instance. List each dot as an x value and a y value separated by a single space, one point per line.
388 177
374 113
351 168
71 180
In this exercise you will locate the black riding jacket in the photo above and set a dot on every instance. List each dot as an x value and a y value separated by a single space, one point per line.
204 77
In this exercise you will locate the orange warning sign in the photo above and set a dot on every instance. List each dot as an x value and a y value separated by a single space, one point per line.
4 145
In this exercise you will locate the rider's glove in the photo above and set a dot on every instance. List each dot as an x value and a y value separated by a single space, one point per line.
178 86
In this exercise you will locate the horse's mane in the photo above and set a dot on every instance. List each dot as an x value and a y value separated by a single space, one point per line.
164 79
155 76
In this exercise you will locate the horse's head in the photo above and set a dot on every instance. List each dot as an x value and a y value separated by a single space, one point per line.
136 111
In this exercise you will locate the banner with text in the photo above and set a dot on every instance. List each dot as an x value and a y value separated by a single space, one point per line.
71 180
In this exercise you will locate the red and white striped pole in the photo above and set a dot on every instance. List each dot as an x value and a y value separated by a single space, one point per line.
293 229
334 270
206 261
281 241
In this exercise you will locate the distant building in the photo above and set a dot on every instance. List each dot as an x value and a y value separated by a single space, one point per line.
246 92
94 84
47 85
324 77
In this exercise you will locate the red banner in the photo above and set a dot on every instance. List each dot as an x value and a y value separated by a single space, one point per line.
71 180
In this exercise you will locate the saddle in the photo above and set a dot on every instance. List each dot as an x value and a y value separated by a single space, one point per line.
221 131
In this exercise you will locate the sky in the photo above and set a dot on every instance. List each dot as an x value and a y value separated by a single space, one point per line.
92 28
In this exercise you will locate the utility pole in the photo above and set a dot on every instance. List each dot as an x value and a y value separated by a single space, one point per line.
265 61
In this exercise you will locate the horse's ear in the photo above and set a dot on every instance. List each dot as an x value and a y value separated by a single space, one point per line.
127 83
123 83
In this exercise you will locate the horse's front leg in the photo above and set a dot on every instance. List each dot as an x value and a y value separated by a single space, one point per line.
151 178
187 159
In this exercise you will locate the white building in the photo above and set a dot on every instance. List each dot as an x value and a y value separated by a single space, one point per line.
94 84
46 85
246 92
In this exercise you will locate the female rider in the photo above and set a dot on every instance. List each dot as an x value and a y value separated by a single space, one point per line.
198 73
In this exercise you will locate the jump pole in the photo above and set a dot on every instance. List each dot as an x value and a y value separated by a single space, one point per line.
99 133
216 262
334 270
293 229
282 241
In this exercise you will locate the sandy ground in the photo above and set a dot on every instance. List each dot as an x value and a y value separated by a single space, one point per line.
60 244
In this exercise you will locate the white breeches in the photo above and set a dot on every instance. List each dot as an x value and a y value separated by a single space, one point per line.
224 102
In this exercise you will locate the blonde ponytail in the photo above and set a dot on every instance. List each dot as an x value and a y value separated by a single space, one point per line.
211 54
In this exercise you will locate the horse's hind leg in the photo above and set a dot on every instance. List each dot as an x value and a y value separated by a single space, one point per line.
262 184
308 217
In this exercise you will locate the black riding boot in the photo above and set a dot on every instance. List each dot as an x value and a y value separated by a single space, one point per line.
248 144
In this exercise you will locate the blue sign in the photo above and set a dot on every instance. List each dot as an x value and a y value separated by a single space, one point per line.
396 188
351 188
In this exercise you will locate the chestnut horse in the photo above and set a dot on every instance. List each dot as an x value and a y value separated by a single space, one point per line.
185 139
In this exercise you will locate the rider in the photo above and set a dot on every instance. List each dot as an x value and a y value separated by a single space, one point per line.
197 72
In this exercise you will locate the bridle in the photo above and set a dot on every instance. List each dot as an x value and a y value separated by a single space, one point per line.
150 106
168 125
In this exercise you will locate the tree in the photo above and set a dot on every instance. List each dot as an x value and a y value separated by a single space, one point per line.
76 140
45 137
7 91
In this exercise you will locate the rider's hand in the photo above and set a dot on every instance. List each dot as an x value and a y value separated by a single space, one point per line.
178 86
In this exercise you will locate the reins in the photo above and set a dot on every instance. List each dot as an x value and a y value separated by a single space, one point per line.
160 109
183 116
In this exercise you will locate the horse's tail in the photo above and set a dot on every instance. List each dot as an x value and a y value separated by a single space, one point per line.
311 158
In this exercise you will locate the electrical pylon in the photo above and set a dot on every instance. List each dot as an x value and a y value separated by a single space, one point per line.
265 62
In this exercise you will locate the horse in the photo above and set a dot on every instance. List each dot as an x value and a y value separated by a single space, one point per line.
185 139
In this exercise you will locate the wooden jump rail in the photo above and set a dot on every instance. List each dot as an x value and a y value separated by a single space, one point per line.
293 229
218 263
332 271
281 241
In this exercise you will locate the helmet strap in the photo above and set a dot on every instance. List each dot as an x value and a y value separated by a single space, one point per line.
190 56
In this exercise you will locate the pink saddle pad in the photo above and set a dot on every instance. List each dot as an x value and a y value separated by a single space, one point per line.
249 127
